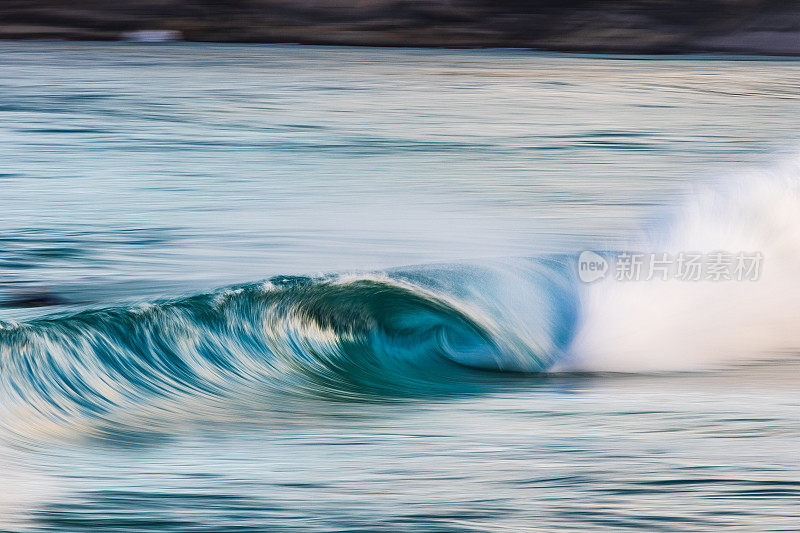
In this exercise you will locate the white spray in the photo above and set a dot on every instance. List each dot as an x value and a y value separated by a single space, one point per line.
636 326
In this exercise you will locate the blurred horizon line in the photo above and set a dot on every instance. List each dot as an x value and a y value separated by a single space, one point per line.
761 27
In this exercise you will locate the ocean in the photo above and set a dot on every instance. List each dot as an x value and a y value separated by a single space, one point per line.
251 288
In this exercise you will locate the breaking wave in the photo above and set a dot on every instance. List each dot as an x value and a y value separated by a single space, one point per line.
423 331
418 331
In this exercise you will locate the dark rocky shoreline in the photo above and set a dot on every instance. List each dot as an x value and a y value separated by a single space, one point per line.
767 27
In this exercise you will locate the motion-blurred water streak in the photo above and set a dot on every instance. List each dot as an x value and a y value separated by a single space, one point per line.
211 318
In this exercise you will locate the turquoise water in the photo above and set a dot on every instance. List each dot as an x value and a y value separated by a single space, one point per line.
279 288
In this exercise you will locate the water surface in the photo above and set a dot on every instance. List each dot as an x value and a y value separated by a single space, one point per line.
293 288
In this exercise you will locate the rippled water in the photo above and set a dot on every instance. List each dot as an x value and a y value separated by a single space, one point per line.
209 321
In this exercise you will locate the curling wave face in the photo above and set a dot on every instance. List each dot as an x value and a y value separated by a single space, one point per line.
421 331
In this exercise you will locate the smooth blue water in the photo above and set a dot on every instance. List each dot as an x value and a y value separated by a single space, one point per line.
322 289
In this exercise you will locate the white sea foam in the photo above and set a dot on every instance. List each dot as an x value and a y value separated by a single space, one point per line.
630 326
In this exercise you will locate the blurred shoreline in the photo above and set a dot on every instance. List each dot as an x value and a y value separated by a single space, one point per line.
761 27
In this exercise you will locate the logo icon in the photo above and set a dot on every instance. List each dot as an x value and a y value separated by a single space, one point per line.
591 266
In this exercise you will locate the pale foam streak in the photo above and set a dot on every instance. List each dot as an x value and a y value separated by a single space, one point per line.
23 486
